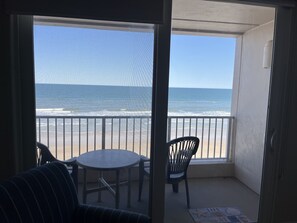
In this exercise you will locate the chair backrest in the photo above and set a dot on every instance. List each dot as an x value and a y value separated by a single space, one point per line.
42 194
43 154
180 153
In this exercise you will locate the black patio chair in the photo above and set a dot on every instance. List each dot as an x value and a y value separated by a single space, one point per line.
180 152
45 156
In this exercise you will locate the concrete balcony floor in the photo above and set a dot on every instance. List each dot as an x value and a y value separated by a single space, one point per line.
204 193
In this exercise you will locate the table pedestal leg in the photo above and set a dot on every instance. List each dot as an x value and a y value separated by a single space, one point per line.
100 184
117 194
129 188
85 186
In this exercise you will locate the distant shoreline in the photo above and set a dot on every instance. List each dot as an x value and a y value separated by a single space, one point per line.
93 85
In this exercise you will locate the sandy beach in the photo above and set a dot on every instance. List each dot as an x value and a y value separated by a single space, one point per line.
65 146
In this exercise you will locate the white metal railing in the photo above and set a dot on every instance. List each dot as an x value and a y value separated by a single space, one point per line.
69 136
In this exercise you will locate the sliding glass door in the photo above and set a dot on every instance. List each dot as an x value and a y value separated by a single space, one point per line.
93 84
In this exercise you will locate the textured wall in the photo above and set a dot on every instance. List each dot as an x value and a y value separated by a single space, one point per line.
251 88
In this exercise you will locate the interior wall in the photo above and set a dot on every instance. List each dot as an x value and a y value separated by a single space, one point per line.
18 137
250 100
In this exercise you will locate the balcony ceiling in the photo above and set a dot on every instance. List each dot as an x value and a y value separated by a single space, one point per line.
198 16
191 17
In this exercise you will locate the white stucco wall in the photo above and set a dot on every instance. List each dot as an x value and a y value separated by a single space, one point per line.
250 99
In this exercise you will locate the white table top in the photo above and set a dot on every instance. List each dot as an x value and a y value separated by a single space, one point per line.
108 159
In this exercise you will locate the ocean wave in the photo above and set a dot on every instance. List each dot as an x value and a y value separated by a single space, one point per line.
114 113
205 113
64 112
216 113
52 111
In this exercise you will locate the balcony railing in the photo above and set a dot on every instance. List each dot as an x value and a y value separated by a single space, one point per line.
69 136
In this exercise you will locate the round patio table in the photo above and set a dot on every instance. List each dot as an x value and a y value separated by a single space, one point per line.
108 160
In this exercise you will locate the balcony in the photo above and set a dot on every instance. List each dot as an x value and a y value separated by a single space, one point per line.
69 136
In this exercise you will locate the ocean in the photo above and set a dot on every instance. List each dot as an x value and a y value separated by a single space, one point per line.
91 100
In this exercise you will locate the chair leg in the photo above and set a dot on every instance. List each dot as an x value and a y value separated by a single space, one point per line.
141 176
74 175
175 187
187 192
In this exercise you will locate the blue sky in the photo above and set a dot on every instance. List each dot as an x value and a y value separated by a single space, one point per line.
106 57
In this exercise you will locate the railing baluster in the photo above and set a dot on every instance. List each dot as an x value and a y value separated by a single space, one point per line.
176 127
79 136
147 136
169 129
202 138
183 127
95 133
126 133
47 129
39 127
71 132
63 138
140 134
56 137
229 139
190 126
103 132
133 134
196 132
87 139
215 138
111 135
222 130
209 125
119 146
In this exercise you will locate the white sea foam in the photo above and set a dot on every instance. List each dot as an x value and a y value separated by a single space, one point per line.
216 113
63 112
122 112
114 113
52 111
206 113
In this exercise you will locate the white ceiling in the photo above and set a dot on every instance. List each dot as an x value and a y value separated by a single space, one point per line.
190 16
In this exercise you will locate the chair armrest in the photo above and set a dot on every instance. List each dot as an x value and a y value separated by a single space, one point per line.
69 162
92 214
144 158
144 161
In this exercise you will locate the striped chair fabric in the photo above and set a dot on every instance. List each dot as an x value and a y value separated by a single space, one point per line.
47 194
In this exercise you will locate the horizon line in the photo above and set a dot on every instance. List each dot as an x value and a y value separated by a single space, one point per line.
136 86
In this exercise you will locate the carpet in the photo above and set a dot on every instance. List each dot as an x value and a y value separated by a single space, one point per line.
218 215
